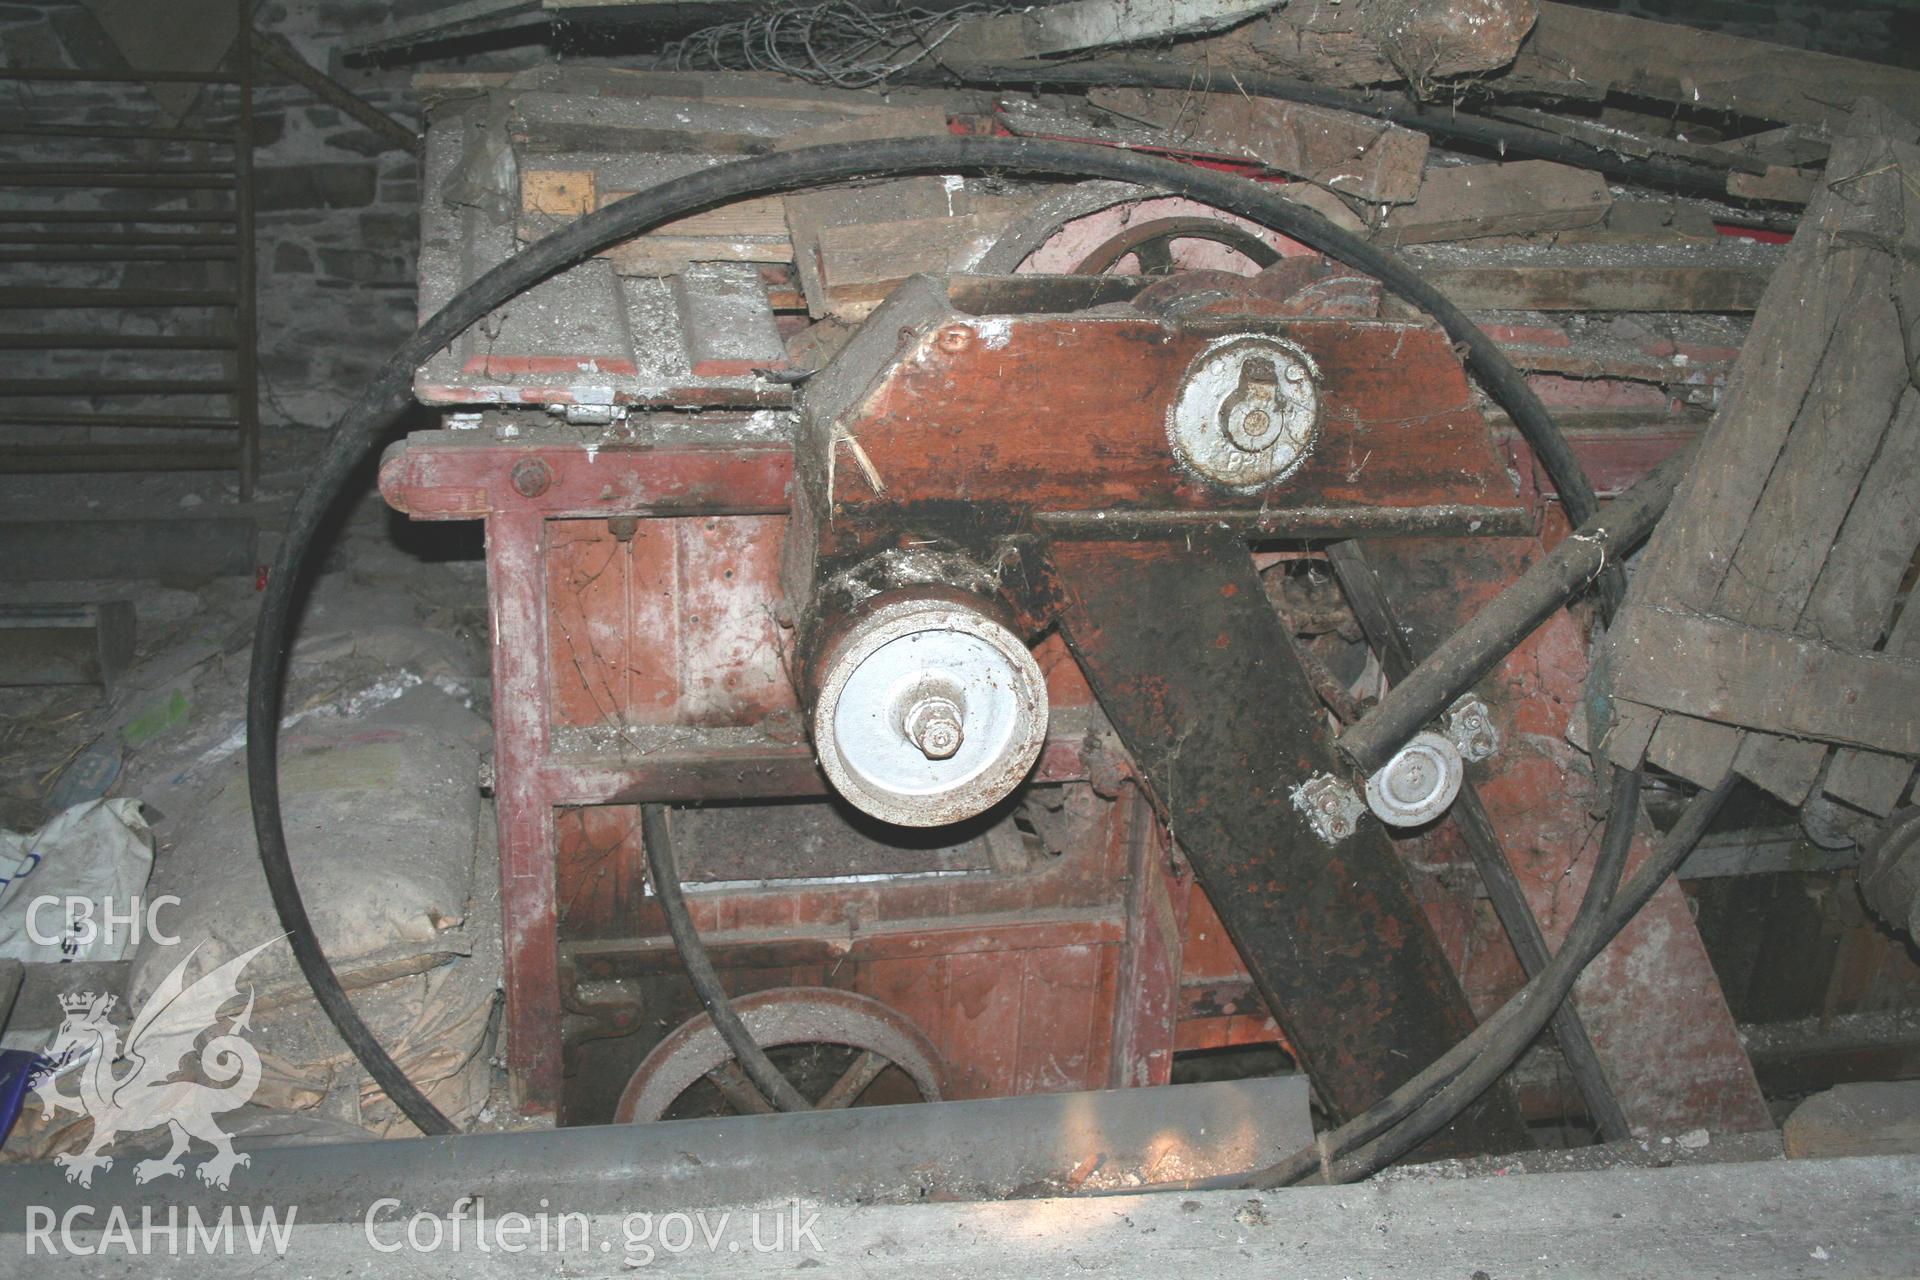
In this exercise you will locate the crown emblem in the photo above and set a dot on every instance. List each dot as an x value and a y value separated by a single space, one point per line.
83 1001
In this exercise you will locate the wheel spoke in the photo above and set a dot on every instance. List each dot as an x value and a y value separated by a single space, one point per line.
865 1069
733 1084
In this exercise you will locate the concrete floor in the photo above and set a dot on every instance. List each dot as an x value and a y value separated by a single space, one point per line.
1855 1217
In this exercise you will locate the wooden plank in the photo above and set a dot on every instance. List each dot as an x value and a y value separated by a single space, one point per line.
1854 597
809 213
1864 1119
575 121
1379 42
1633 728
1769 680
1782 183
1872 780
1698 750
1585 51
1728 289
1830 536
861 264
1072 26
927 120
1523 198
1832 442
565 193
1357 156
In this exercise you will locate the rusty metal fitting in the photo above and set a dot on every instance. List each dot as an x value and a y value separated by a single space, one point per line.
530 477
954 338
1332 808
1469 726
1247 412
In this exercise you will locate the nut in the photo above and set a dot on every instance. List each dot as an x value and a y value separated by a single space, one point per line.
934 725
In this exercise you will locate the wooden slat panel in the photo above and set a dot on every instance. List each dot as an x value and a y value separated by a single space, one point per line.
1769 680
1750 530
1854 595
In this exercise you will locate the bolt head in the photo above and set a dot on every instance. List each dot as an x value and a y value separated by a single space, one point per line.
530 477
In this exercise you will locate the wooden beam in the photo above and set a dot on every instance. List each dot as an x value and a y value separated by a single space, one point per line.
276 53
1601 288
1479 200
1591 53
1355 155
1759 678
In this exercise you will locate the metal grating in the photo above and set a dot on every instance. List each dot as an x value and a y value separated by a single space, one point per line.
127 308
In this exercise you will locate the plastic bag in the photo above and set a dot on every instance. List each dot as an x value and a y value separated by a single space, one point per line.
74 889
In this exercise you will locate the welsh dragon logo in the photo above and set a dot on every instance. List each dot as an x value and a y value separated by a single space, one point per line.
146 1095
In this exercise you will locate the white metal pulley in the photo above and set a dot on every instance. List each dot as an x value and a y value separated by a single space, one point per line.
929 710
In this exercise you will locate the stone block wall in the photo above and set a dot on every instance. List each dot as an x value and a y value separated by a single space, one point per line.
337 221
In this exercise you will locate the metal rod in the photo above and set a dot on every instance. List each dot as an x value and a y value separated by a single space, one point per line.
285 59
32 128
111 167
24 387
162 216
245 364
1470 652
101 178
117 421
32 459
1294 523
116 237
114 342
117 77
131 253
1381 624
38 297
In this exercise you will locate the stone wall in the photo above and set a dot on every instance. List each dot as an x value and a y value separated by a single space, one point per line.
337 222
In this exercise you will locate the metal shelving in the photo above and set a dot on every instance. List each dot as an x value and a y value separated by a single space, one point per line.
147 194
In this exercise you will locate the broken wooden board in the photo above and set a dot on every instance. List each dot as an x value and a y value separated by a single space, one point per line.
1612 288
745 231
573 121
812 214
1357 156
859 264
1074 26
1341 42
1863 1119
1677 275
1581 52
1873 781
1782 184
1788 541
1733 673
1463 202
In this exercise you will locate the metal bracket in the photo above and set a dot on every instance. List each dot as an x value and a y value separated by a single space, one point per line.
1332 807
1469 726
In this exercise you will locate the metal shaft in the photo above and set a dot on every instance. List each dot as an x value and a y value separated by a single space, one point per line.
1498 629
